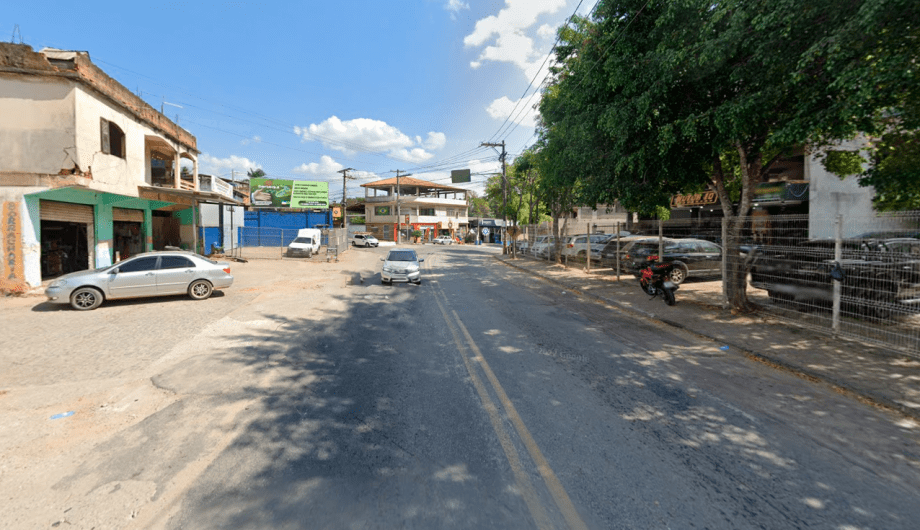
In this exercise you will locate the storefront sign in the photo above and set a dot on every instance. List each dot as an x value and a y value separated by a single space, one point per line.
696 199
12 246
279 193
781 192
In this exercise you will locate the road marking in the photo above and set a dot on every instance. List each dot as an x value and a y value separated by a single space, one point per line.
549 477
563 502
523 481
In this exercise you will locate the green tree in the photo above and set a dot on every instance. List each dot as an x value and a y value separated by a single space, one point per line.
256 173
656 98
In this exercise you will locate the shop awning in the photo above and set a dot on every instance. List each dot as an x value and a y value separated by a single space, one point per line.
82 195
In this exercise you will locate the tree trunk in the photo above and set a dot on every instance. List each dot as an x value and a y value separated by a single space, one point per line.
734 285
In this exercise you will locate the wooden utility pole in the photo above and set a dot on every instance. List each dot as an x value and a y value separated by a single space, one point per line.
504 195
398 211
345 178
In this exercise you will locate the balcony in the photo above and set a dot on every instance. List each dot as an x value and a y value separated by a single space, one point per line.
415 199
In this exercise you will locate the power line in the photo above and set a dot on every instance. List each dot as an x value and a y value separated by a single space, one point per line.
548 55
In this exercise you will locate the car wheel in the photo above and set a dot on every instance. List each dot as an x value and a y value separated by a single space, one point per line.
419 282
309 253
200 289
679 274
85 298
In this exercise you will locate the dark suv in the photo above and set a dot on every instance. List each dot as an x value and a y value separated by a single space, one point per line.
691 257
878 277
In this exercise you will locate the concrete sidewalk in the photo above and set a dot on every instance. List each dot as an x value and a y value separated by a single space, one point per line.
871 373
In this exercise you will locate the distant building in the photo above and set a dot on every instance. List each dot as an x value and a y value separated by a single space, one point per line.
434 209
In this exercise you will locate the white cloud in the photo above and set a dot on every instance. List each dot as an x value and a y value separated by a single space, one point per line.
363 134
415 155
435 141
253 140
546 31
326 166
507 35
524 114
211 165
353 135
454 6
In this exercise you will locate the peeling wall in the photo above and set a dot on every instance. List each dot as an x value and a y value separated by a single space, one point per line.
37 124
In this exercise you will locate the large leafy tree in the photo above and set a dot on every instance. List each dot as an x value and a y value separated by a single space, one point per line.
663 97
256 173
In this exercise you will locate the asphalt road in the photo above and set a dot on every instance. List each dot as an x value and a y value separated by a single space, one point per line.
485 399
311 396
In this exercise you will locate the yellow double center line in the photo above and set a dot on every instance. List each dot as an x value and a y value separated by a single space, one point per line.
537 511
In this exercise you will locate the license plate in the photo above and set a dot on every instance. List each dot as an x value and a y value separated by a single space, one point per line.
670 285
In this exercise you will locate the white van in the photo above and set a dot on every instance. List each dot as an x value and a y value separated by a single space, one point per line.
306 243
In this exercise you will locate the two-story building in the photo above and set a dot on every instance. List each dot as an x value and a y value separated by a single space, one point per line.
432 208
89 172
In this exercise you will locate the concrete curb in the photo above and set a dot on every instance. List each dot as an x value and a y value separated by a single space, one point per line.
845 387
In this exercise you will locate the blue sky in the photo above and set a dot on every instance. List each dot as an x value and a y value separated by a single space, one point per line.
304 89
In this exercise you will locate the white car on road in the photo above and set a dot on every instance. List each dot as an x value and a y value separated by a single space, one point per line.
364 240
443 240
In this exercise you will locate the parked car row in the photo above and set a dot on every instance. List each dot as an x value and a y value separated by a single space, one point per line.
878 278
691 257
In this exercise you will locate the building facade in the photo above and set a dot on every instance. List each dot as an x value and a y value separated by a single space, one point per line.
89 172
412 204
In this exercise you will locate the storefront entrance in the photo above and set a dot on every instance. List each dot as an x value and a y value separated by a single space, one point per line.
64 248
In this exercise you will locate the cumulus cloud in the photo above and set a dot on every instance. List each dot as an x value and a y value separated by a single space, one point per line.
415 155
506 35
524 114
209 164
435 141
253 140
546 31
455 6
353 135
326 166
363 134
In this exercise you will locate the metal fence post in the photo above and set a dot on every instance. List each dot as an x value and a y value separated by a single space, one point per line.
838 254
725 261
660 240
588 252
618 251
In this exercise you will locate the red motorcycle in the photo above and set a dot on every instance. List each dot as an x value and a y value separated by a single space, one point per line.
655 279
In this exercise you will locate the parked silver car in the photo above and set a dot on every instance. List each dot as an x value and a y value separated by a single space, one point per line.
149 274
401 265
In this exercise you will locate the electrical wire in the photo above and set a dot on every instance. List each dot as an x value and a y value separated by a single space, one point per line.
548 55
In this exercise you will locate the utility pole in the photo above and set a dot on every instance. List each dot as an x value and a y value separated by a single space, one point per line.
345 178
504 194
398 211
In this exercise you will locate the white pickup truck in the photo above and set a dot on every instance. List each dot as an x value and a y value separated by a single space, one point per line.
306 243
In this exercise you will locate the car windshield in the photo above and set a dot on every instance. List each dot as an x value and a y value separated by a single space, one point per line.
401 255
306 240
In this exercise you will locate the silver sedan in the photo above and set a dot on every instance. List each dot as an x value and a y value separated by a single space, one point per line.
148 274
401 265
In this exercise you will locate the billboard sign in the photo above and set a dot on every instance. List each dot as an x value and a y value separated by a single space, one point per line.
458 176
278 193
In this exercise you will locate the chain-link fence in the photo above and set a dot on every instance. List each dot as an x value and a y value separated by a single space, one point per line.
277 243
857 277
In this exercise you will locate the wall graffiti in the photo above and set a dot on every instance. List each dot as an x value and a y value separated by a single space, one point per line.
13 269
